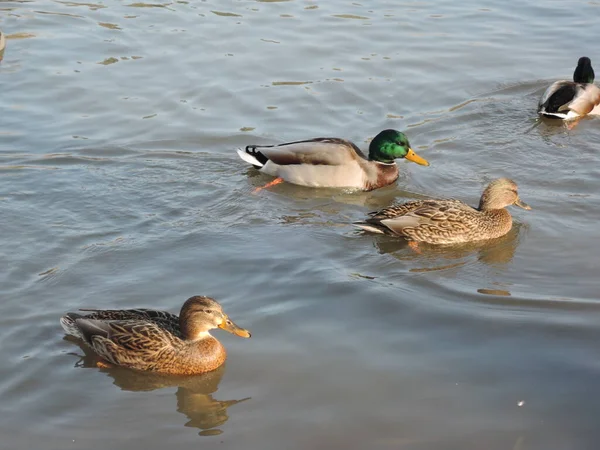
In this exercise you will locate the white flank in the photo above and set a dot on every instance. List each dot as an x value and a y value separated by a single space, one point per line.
346 176
569 116
248 158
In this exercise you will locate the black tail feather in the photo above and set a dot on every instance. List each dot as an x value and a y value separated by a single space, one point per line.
251 150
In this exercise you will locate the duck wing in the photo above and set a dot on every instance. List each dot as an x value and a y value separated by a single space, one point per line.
431 217
131 343
163 319
318 151
557 97
395 212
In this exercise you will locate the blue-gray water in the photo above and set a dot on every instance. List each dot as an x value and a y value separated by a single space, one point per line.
120 187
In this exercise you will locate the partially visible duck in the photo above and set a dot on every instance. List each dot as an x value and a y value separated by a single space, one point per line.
2 44
572 99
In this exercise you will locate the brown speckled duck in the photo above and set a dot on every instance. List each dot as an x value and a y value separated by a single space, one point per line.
450 221
333 162
158 341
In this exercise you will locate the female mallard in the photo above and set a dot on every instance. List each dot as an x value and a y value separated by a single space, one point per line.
157 341
571 99
333 162
450 221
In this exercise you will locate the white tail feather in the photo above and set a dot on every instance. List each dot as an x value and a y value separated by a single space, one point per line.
367 227
70 327
568 116
248 158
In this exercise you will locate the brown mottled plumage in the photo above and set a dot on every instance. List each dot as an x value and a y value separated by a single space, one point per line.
158 341
450 221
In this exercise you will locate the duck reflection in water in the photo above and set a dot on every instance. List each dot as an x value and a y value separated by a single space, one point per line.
194 392
491 252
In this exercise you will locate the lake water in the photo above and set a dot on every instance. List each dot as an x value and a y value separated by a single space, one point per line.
120 187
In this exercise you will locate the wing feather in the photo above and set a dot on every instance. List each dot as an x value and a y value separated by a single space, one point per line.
319 151
127 342
430 216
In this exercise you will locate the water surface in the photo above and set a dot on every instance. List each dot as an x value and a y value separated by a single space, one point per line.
120 187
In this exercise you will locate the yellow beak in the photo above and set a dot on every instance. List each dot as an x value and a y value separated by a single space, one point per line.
229 325
412 156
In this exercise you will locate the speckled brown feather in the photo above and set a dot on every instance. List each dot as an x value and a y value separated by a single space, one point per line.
163 319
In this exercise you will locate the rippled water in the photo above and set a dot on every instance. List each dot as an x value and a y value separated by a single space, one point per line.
119 187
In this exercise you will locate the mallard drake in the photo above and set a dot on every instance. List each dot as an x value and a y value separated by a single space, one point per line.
571 99
2 44
333 162
158 341
450 221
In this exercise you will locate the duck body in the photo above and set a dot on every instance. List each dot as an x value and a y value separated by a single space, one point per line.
333 162
156 341
449 221
572 99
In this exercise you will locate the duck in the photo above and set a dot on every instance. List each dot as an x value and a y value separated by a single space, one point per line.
449 221
333 162
2 44
156 341
569 100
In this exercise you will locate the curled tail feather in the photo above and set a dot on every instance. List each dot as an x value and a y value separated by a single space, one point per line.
252 156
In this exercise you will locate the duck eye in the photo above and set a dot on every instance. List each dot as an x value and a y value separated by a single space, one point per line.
208 311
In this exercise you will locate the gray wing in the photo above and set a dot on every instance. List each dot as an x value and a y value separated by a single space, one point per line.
319 151
375 223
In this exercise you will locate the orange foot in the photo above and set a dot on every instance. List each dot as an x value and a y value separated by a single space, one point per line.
572 124
268 185
104 365
414 245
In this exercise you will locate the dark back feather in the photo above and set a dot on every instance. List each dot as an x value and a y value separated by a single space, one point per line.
558 101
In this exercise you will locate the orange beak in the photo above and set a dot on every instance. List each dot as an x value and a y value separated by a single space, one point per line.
412 156
229 325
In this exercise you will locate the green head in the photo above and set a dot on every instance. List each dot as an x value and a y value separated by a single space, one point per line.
584 72
390 145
